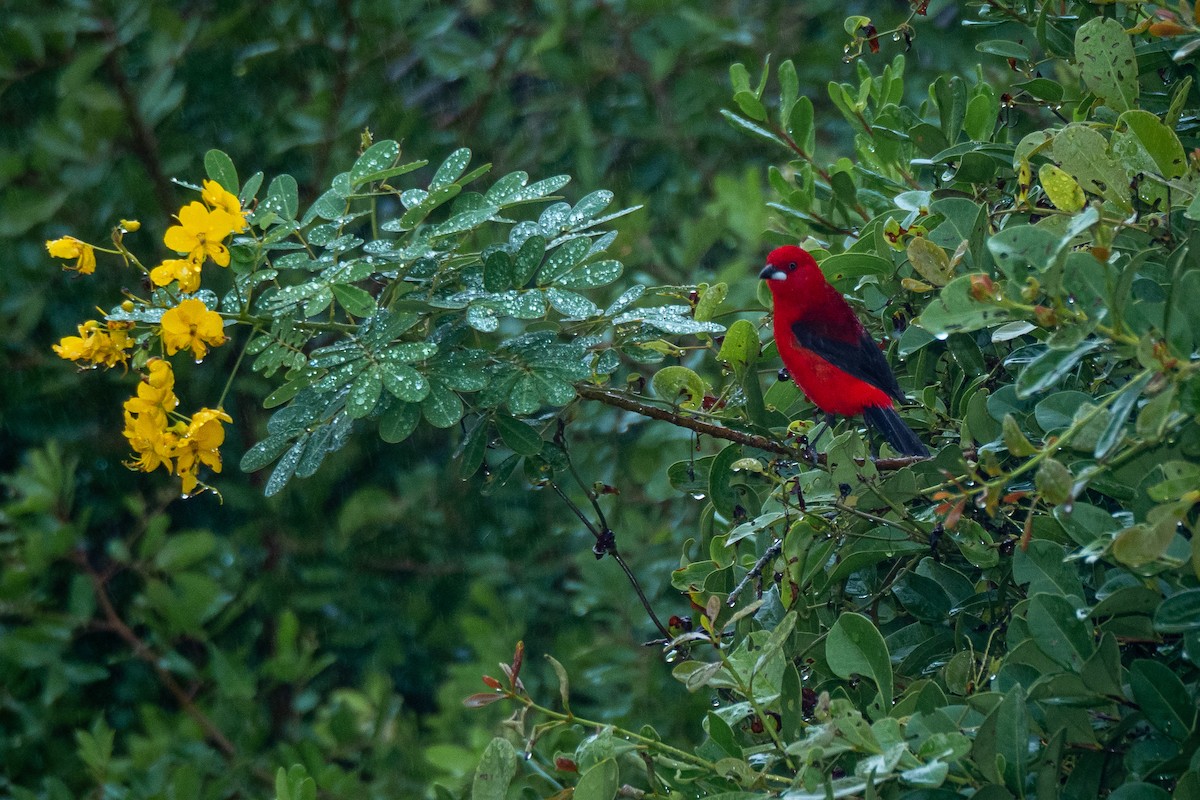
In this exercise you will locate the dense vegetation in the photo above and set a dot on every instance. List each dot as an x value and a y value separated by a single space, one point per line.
489 411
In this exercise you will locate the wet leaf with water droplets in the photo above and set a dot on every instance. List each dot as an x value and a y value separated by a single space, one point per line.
405 383
364 393
376 158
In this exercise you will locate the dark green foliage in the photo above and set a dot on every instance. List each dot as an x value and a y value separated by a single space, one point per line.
433 342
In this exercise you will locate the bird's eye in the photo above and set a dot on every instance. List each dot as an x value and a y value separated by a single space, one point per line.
792 267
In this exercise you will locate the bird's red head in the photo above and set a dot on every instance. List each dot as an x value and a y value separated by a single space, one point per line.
790 264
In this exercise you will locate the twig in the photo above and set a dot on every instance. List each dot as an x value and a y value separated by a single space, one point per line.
606 545
756 571
145 143
144 652
626 403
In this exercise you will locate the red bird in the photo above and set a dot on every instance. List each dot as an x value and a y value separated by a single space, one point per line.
829 354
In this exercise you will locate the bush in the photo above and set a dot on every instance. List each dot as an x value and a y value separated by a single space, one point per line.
1016 615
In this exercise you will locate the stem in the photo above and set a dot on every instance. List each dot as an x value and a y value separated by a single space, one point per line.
143 651
626 403
606 545
145 143
649 744
233 372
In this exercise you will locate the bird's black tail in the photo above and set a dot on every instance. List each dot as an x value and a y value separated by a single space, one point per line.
898 435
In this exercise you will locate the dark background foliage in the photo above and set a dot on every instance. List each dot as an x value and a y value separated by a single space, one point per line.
344 620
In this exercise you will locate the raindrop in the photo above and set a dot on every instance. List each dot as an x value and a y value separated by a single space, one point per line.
1081 614
697 495
941 336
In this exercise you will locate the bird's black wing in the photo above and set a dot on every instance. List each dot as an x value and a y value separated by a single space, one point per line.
860 359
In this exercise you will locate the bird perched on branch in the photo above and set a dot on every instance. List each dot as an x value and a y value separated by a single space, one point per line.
828 353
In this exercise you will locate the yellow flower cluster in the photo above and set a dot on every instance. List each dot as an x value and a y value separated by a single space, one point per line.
157 434
69 247
191 326
107 344
181 446
200 234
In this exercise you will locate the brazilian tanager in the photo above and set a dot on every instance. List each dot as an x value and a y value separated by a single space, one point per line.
828 353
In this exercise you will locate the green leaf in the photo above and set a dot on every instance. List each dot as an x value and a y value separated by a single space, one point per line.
364 392
404 383
562 260
219 167
740 348
1054 481
283 198
1120 410
751 127
720 480
472 449
442 406
1083 153
263 453
570 304
527 259
1001 746
497 271
1144 542
495 772
1005 48
398 422
710 301
374 160
451 169
1021 250
679 385
518 435
1042 565
590 276
930 261
285 469
357 302
1107 62
855 646
1163 698
954 310
1064 191
1179 613
601 782
1051 367
1160 142
1137 790
1058 630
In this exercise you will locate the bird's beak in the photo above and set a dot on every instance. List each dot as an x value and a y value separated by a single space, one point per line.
772 273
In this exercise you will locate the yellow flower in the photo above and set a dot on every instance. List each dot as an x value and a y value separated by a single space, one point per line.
191 325
153 442
107 345
201 232
217 197
155 393
199 445
69 247
184 270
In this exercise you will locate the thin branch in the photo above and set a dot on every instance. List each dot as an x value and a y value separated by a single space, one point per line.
144 652
756 571
145 143
626 403
606 545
